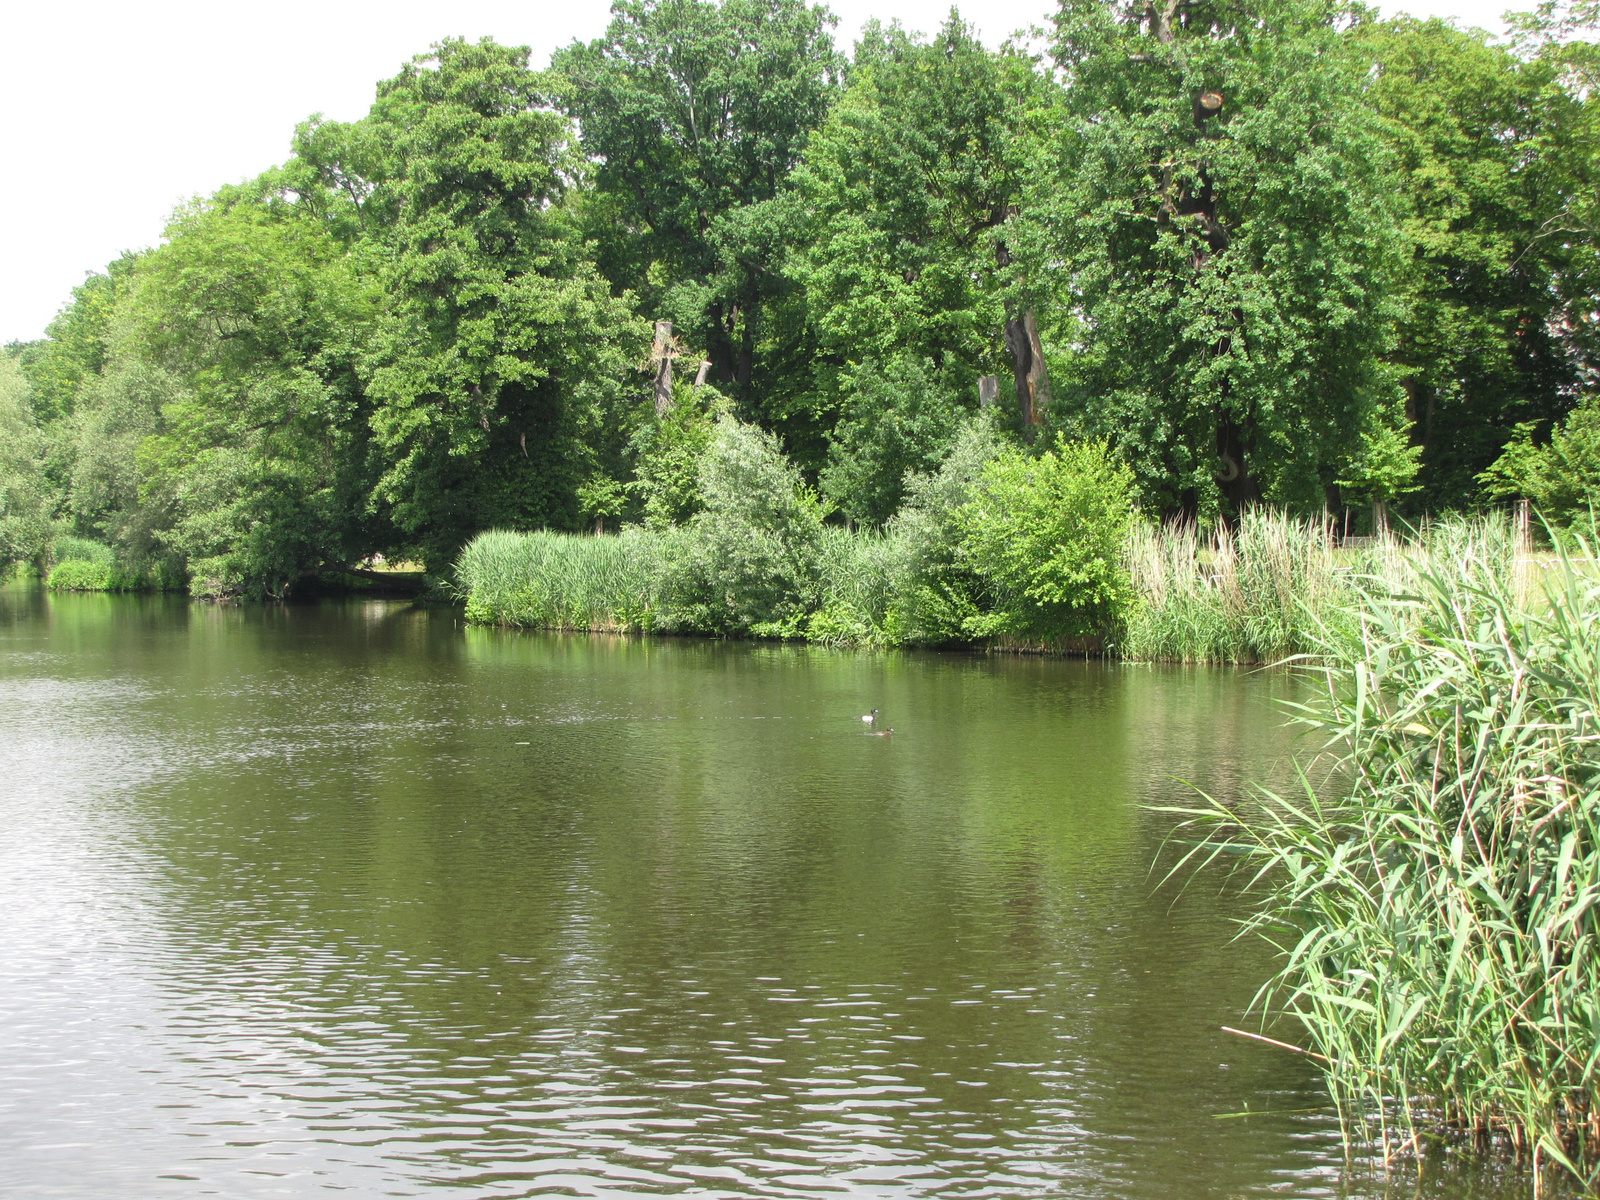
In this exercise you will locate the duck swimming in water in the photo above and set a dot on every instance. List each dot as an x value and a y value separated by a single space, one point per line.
871 718
879 732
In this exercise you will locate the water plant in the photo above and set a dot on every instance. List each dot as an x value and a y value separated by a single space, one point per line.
1434 882
1264 589
551 580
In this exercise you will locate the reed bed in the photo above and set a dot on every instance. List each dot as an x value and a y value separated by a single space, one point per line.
550 580
1434 884
1264 590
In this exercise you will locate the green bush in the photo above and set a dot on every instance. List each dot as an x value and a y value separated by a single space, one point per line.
81 575
1046 533
748 561
1562 477
667 453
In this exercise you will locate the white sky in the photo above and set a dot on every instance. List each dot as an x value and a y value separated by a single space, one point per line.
114 111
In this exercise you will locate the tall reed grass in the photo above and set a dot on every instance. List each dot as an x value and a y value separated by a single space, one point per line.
1434 885
1262 591
554 580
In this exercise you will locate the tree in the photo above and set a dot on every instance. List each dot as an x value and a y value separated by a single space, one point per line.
694 114
25 524
1219 207
264 460
899 417
906 187
498 341
1477 135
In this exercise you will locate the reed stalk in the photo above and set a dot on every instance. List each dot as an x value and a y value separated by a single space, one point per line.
1434 883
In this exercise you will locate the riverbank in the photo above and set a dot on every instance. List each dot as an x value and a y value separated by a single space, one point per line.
1263 591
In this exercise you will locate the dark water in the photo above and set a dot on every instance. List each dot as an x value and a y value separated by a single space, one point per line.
351 897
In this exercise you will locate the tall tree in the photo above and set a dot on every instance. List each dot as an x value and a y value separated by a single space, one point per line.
1219 207
498 339
263 461
905 187
694 113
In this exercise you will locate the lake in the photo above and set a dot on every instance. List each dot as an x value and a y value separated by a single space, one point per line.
354 897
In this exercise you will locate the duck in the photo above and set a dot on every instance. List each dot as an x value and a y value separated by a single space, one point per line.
880 732
871 718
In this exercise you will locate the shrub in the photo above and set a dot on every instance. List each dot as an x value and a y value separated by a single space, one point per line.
748 561
668 449
939 599
1562 478
1046 534
80 575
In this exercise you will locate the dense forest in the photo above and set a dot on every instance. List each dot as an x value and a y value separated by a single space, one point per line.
1254 251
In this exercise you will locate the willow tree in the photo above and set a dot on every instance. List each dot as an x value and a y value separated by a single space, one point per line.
1218 208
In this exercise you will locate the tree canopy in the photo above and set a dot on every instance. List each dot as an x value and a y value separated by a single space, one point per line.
1257 251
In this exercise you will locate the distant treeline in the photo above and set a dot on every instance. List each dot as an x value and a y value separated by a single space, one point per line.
1268 251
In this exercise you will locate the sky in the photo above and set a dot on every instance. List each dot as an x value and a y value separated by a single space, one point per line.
113 112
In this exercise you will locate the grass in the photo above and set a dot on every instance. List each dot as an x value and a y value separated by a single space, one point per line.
554 580
1434 885
1263 591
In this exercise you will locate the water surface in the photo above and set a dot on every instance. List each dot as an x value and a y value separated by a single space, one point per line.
352 897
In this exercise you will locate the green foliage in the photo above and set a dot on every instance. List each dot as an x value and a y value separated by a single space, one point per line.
25 517
940 599
261 460
75 347
694 113
667 452
1045 533
1434 893
1476 134
1234 268
498 340
905 187
1561 477
747 562
897 417
84 565
79 575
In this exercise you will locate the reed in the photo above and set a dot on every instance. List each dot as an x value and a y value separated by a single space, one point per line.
550 580
1262 591
1434 883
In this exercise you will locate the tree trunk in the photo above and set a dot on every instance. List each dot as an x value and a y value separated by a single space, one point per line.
1032 380
988 390
661 356
1239 486
700 375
